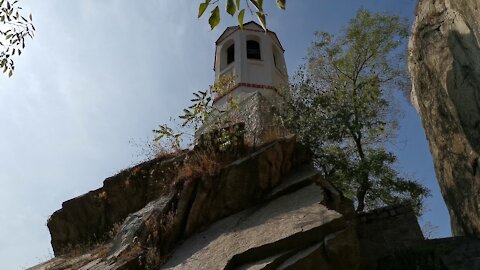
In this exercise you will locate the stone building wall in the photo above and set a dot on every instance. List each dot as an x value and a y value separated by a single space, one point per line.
386 229
258 115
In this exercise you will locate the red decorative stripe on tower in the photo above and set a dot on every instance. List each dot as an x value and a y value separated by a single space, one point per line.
249 85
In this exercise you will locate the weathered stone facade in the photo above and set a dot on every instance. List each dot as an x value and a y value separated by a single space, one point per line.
256 112
383 230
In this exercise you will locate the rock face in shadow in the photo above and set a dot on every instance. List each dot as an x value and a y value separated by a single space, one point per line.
457 253
444 64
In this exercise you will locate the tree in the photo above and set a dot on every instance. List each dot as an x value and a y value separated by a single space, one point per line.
341 106
15 28
234 7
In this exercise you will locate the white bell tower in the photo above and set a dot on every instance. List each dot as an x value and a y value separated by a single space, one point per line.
255 58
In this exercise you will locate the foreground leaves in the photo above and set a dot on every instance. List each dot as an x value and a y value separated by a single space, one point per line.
17 28
233 7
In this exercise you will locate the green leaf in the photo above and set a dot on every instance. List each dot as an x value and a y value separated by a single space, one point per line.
231 8
241 14
281 4
201 8
237 3
214 19
254 2
258 4
10 74
262 20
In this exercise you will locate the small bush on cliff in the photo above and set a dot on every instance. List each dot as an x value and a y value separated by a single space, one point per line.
341 104
195 115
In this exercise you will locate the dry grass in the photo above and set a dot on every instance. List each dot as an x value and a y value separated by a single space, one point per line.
154 259
114 230
165 152
80 249
149 149
198 164
132 252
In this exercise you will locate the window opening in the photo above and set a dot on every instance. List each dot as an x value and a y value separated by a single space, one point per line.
253 50
231 54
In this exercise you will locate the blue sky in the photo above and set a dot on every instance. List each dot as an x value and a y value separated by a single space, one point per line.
102 73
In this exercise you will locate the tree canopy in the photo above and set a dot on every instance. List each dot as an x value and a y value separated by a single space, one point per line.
342 106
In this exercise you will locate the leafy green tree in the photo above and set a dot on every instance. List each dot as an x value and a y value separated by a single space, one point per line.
235 8
342 106
15 29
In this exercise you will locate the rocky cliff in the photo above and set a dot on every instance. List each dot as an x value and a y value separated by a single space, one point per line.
444 64
261 208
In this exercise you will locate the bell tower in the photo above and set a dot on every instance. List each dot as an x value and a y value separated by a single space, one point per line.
255 57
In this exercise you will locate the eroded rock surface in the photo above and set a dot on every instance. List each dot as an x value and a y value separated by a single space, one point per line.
444 65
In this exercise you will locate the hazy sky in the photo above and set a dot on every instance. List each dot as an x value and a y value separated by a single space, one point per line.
102 73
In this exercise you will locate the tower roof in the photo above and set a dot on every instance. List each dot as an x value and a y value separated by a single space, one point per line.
249 26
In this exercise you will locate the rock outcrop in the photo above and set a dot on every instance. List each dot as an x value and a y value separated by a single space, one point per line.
444 64
264 209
